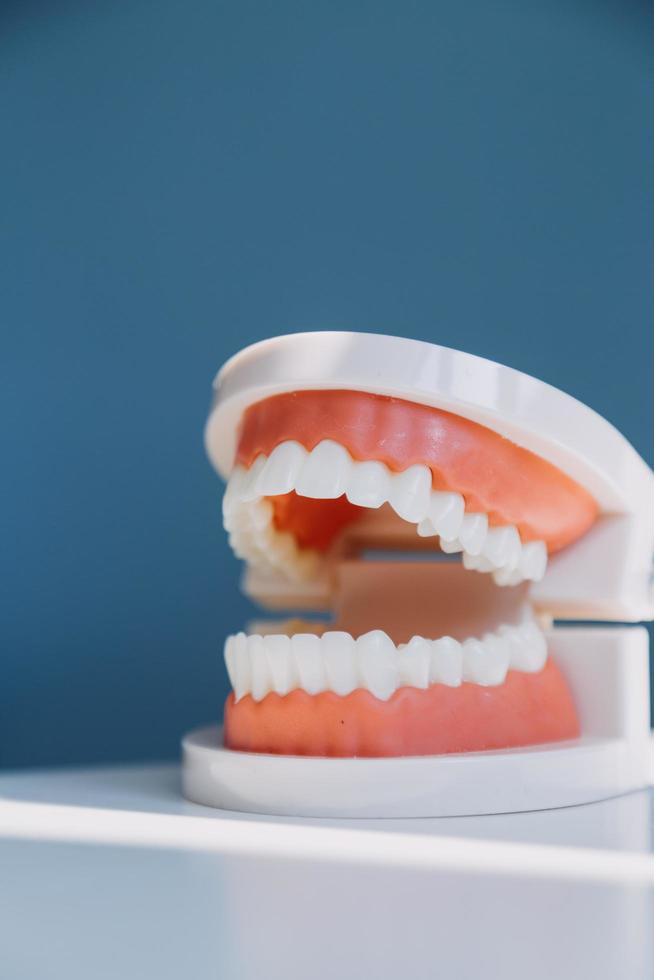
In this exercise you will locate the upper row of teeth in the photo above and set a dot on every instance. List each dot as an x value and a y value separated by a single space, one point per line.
258 665
328 471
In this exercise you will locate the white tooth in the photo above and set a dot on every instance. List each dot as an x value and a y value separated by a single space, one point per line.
534 560
338 651
308 661
230 660
473 532
260 679
508 576
500 544
450 547
261 514
249 489
414 662
446 662
426 529
242 674
369 484
477 563
280 663
497 652
410 493
238 546
377 658
280 473
325 472
282 549
232 495
484 664
446 512
526 646
515 551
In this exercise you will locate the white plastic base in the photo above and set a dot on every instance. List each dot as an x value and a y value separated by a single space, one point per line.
608 671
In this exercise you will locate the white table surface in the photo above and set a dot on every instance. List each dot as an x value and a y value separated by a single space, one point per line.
109 873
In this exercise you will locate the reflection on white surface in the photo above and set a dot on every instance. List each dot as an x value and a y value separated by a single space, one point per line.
110 874
71 913
397 849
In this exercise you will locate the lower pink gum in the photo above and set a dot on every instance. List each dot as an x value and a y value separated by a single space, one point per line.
527 709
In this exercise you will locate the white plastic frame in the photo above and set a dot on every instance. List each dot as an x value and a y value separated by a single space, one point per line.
605 576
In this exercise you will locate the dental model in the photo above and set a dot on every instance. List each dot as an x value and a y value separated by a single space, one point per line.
440 511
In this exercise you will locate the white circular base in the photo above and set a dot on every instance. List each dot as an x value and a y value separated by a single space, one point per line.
507 781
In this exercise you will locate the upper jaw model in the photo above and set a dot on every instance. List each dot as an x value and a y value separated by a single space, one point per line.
440 511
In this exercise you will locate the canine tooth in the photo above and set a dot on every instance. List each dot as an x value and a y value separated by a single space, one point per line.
280 662
527 647
484 663
325 472
533 562
446 662
410 493
414 662
308 661
260 679
500 544
472 535
339 660
280 472
249 489
369 484
377 658
446 513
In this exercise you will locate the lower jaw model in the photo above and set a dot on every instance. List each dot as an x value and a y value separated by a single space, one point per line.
436 537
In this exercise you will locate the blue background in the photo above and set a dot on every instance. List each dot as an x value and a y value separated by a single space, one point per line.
178 180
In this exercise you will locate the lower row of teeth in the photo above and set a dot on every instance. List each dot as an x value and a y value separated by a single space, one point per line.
259 665
327 472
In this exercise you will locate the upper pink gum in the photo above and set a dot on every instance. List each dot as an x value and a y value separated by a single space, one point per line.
507 482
